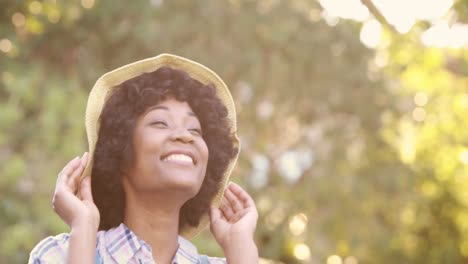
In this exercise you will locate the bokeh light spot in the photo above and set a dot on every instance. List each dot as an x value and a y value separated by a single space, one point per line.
5 45
18 19
302 251
334 259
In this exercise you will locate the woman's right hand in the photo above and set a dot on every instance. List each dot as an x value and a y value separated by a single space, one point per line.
76 212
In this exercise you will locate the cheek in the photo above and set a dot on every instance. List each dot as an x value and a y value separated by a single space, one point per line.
204 151
148 150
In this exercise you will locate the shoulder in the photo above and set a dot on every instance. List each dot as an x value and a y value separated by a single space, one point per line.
50 250
53 249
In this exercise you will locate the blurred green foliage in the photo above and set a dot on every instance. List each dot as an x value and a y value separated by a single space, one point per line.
344 155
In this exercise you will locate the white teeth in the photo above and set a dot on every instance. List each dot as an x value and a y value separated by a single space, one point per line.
179 157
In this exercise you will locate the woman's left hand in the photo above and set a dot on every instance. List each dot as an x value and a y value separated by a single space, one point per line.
236 219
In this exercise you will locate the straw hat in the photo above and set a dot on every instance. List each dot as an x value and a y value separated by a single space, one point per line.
101 91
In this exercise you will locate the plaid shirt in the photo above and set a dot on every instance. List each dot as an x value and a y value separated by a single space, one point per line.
117 245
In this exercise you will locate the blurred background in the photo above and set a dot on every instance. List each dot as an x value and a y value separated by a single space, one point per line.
353 115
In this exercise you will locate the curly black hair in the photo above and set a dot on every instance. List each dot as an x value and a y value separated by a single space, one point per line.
114 149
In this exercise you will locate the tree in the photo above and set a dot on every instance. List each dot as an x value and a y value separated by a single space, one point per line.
322 128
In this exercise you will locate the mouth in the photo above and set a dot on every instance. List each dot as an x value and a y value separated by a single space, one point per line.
179 157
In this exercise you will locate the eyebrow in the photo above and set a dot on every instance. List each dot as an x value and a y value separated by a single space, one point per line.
162 107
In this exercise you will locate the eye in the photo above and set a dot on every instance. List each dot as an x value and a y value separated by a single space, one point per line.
159 124
196 131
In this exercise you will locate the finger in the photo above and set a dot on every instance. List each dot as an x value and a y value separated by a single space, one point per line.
217 221
85 189
222 216
66 172
215 214
70 166
75 177
70 163
84 159
241 194
72 181
62 177
226 209
234 201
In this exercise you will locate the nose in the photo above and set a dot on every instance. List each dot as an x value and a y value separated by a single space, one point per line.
182 135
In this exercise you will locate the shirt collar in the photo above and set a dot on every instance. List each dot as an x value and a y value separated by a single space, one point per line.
122 244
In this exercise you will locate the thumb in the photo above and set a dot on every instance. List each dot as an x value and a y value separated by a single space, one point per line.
85 189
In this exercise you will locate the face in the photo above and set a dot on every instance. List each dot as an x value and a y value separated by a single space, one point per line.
170 153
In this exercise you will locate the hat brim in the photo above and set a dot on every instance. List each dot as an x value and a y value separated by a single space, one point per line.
104 85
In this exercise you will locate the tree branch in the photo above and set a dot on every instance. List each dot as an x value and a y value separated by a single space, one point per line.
378 15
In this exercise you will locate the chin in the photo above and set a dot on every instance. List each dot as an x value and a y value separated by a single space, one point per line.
183 182
186 186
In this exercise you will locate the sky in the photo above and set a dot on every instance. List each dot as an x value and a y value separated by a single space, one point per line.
402 15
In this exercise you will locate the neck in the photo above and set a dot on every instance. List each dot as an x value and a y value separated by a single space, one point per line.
155 224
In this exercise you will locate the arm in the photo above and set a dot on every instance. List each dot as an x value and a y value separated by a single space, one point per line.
80 214
82 245
241 250
233 226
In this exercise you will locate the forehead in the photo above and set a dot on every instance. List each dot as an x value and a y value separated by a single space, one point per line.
171 105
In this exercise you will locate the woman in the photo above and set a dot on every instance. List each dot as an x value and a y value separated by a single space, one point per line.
162 143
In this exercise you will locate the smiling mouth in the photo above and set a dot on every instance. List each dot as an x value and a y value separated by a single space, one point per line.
180 159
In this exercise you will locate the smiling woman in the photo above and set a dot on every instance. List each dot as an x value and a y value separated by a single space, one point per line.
162 147
138 148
